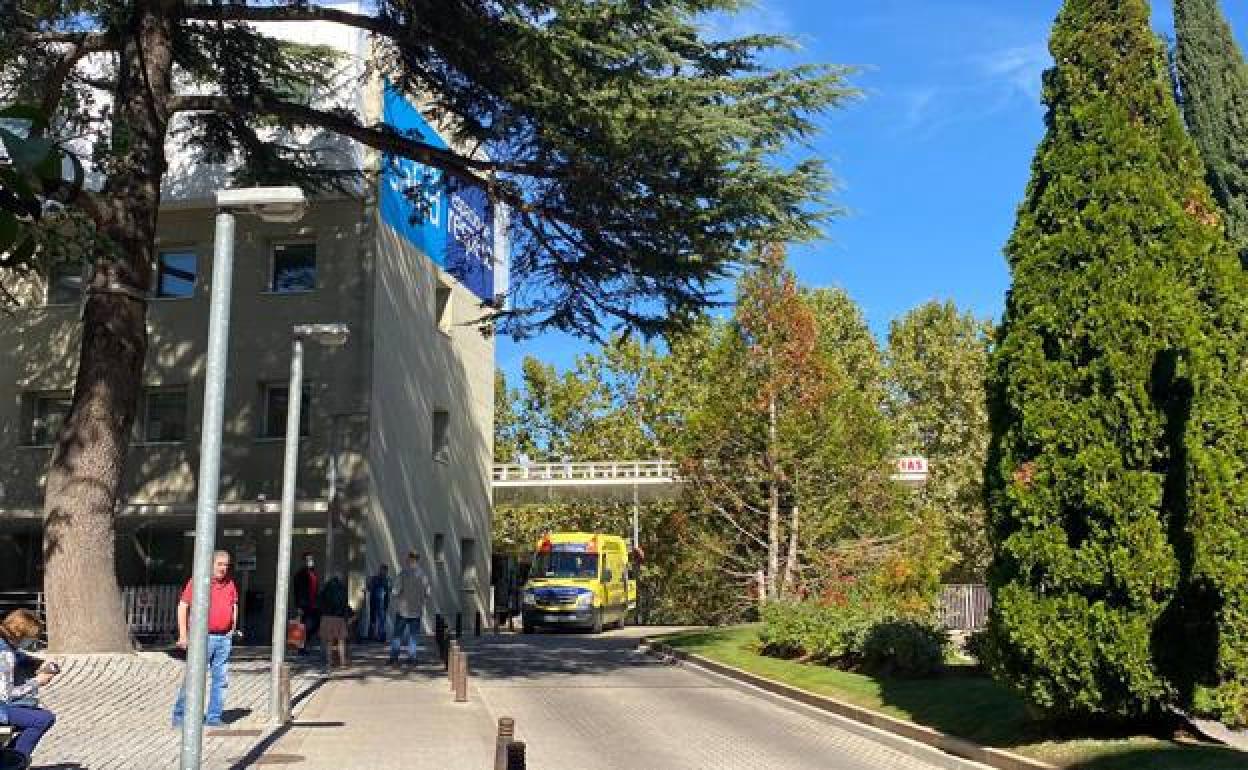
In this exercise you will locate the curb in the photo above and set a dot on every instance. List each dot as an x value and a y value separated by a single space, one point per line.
955 749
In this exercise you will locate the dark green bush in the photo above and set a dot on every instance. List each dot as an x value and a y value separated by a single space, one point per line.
1115 476
860 635
904 648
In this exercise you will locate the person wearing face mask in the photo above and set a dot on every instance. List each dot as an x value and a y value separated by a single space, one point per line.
307 587
18 633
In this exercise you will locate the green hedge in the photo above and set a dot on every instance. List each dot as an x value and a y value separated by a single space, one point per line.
866 636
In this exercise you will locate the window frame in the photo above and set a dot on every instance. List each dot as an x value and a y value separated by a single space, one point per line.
160 253
270 284
305 412
145 416
52 281
440 450
32 418
443 307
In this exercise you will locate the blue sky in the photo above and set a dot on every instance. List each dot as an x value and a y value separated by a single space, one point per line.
932 161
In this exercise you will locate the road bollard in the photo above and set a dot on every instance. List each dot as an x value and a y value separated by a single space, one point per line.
283 694
477 621
461 681
506 732
515 755
453 663
459 625
440 638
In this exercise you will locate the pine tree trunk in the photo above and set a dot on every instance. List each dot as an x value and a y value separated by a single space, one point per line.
84 608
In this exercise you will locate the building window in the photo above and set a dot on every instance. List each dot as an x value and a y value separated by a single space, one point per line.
441 436
442 308
175 274
64 284
47 414
294 268
276 402
439 548
468 563
164 416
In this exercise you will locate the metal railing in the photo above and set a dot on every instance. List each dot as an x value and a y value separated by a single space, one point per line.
964 606
647 471
150 610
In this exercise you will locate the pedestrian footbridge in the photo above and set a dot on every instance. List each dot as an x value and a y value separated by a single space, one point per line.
623 481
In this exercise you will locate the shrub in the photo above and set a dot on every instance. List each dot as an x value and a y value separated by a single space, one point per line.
1115 478
904 648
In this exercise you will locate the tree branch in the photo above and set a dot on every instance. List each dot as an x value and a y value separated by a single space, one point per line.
242 12
380 137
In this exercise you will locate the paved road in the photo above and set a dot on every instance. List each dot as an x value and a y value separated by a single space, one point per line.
595 702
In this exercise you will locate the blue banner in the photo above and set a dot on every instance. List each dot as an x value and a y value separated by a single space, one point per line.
452 223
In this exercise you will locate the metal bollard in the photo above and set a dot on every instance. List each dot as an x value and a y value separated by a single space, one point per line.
461 681
453 663
440 638
283 691
515 755
477 621
459 625
506 732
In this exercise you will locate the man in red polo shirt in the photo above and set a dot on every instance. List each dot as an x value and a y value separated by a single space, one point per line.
222 620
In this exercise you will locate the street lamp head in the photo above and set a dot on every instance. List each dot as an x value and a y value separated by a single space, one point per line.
272 204
329 335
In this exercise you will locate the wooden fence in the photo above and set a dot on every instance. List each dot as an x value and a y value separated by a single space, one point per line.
964 606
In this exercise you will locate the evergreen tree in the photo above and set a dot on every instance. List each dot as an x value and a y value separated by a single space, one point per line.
1213 89
1115 472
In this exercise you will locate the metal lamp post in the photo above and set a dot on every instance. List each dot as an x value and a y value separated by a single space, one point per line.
274 204
330 335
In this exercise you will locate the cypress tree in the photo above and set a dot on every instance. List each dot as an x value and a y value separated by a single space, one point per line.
1115 398
1213 88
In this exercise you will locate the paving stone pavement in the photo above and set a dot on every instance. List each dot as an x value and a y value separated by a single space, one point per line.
113 712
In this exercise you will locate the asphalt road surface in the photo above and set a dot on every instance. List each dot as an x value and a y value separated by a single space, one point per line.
597 703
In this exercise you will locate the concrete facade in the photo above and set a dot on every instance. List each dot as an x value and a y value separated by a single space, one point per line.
372 404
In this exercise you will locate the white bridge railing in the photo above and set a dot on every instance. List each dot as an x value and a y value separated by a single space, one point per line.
636 471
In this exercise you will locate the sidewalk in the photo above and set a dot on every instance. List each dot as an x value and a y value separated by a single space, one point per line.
113 711
382 717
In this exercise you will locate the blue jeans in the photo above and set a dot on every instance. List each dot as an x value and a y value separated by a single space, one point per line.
33 723
405 629
377 619
218 661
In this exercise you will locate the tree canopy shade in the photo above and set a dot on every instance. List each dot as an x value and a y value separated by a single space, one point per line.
639 159
1213 90
1115 474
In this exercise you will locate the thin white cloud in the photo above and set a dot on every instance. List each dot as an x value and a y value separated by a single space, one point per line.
757 18
1017 67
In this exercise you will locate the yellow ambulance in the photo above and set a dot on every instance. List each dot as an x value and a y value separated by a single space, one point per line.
579 579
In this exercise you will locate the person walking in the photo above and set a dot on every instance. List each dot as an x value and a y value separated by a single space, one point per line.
222 621
307 590
410 595
19 705
335 612
379 588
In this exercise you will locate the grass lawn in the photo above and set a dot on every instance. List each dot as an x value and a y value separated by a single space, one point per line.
971 707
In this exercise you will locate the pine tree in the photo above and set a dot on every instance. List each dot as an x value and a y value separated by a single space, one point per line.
1114 475
1213 88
